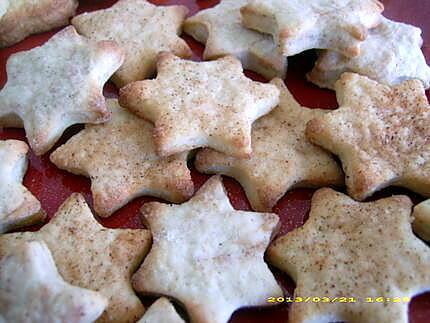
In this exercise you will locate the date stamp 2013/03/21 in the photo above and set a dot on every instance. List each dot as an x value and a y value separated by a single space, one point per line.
323 299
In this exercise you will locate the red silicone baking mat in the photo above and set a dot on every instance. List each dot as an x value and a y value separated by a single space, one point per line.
52 186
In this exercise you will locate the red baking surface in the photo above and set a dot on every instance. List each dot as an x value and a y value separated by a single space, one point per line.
52 186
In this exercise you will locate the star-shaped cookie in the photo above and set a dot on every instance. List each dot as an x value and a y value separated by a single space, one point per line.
380 134
390 55
21 18
32 290
56 85
200 104
119 157
421 224
282 156
299 25
348 252
221 29
162 311
207 255
91 256
18 207
141 29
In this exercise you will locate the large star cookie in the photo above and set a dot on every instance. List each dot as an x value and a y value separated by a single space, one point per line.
200 104
162 311
21 18
18 207
421 224
299 25
56 85
91 256
32 290
221 29
390 55
207 255
380 133
119 157
141 29
349 252
282 157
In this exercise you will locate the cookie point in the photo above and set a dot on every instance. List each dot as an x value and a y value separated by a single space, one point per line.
285 33
380 6
359 32
313 129
354 50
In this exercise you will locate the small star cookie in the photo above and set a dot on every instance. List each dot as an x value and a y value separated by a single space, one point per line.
141 29
380 134
21 18
390 55
18 207
162 311
119 157
32 290
282 156
200 104
91 256
56 85
212 270
221 29
421 224
353 251
299 25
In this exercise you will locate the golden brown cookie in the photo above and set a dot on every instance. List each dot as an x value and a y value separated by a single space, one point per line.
299 25
18 207
390 54
380 134
56 85
119 157
141 29
200 104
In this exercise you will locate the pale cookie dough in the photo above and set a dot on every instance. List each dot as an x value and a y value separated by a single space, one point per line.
141 29
349 251
283 158
380 134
